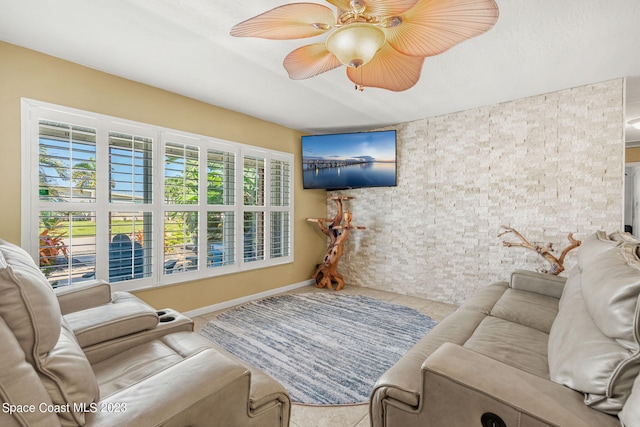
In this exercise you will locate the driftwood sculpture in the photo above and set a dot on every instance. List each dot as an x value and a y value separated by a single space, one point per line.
557 264
338 232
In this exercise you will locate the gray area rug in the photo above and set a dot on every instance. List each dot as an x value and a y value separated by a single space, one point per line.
325 348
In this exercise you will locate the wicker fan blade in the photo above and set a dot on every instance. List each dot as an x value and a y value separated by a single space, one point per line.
309 61
378 7
433 26
389 69
291 21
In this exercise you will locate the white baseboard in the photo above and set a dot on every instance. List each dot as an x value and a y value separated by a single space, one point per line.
237 301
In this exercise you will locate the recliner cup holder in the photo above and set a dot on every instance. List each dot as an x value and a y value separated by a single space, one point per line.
166 316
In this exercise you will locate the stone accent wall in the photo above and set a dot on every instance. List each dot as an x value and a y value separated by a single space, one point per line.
546 166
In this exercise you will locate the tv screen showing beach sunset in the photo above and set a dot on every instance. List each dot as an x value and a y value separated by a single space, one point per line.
349 160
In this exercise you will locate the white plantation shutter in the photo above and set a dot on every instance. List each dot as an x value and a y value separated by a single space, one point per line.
280 203
140 205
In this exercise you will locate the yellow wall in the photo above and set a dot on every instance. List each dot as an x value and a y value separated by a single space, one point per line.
25 73
632 155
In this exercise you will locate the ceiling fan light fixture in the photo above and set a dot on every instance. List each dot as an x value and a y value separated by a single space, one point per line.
355 44
391 38
635 123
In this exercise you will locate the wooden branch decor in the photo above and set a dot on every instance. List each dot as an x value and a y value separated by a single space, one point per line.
557 264
338 232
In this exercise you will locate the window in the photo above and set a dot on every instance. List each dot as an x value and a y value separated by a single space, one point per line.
254 208
280 206
141 206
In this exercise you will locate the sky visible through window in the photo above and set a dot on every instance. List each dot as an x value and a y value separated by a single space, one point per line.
67 165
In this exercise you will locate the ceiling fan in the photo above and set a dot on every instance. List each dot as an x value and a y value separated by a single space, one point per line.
383 43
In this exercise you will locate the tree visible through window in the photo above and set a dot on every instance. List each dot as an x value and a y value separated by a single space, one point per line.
95 213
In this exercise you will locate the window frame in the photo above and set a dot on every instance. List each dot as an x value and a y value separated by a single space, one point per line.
34 111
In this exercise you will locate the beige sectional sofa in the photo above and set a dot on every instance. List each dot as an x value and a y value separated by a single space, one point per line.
92 357
539 350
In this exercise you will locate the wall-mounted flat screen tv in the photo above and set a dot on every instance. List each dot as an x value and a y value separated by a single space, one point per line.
349 160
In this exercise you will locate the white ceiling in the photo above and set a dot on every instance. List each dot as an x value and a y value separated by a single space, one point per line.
184 46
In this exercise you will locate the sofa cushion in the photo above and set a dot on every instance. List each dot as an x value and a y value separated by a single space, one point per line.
124 315
527 308
30 308
610 288
83 295
20 385
484 299
630 414
68 377
28 304
594 245
517 345
538 283
147 359
593 343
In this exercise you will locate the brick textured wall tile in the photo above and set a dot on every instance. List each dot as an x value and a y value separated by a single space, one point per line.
546 165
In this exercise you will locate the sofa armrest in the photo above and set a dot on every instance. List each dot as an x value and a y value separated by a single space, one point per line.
264 389
78 297
454 374
207 389
539 283
123 316
191 392
171 322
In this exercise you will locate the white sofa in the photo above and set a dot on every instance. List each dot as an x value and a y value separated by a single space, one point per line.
536 351
111 360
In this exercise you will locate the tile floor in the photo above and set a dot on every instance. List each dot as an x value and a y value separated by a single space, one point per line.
355 415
